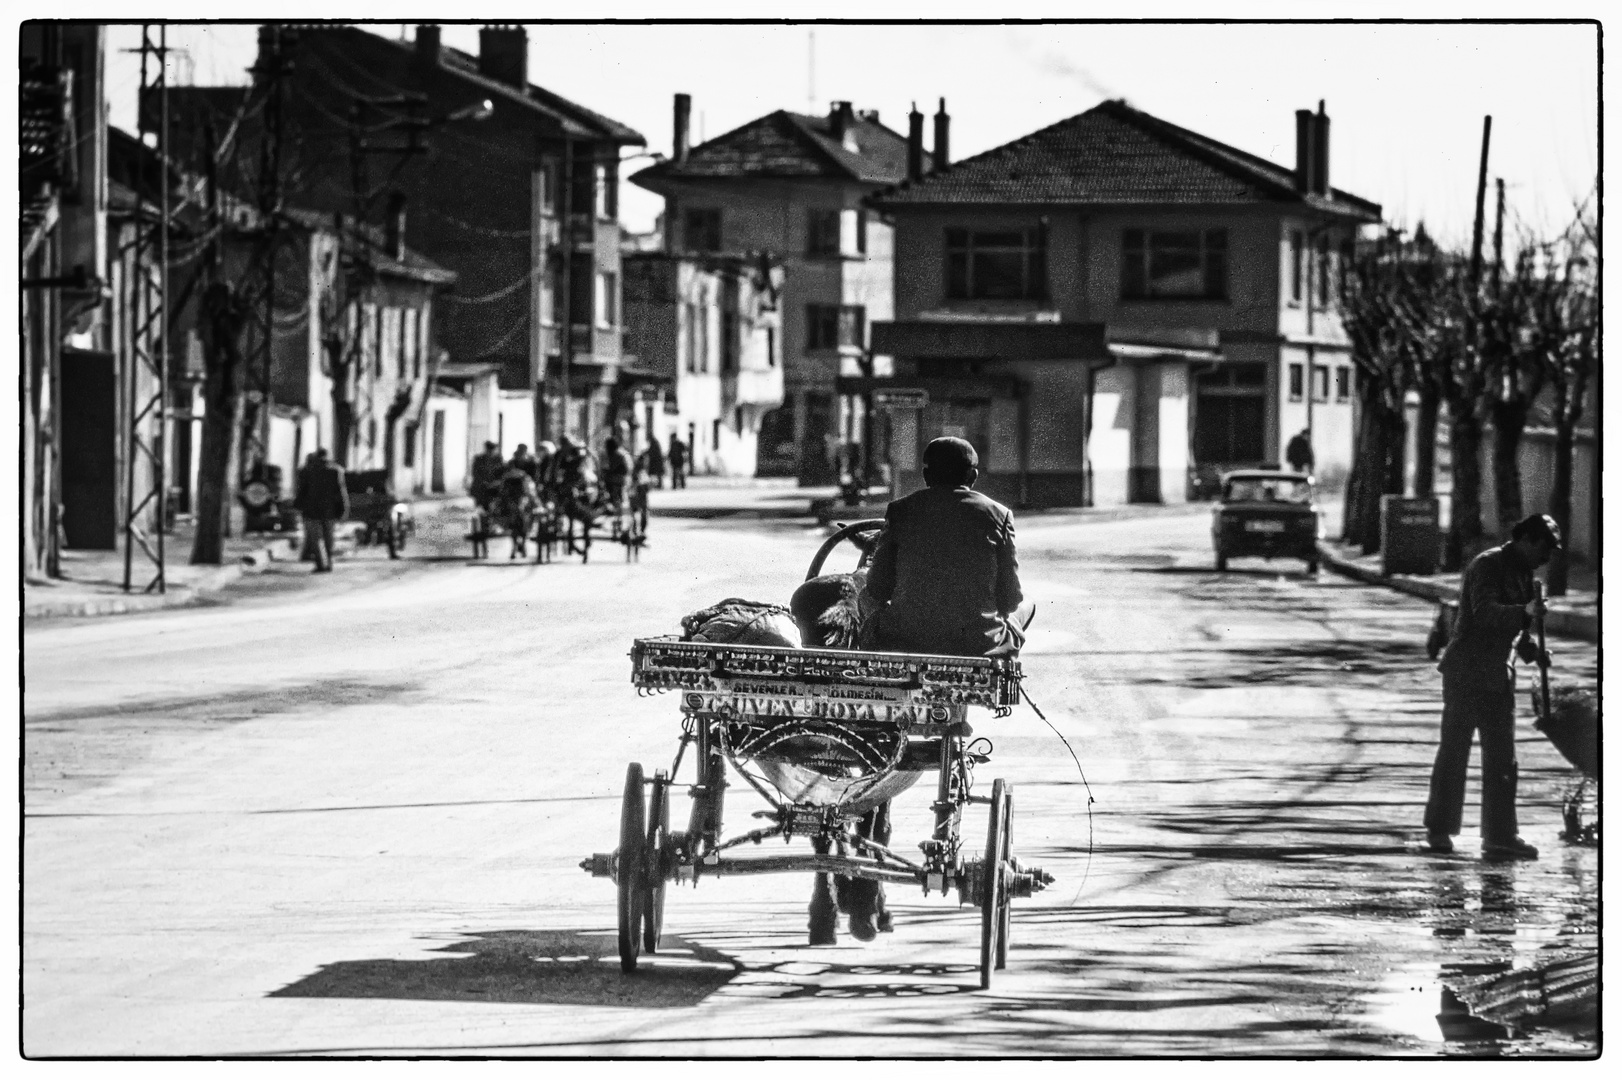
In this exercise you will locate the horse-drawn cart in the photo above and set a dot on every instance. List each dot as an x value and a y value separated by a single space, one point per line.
384 518
823 736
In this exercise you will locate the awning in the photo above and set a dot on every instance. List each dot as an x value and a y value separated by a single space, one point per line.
1121 350
994 340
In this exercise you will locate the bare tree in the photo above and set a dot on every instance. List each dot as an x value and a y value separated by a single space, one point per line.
1564 335
223 316
1514 374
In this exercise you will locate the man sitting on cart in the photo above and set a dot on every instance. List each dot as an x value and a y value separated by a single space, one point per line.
946 578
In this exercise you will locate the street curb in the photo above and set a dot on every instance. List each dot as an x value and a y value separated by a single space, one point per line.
1562 623
134 603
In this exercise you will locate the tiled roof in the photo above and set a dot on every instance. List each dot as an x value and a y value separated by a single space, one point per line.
788 145
1113 153
414 265
467 65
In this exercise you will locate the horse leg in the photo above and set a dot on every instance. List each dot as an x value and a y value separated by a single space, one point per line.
824 912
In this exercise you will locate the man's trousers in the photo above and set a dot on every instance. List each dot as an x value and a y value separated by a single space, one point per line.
1484 701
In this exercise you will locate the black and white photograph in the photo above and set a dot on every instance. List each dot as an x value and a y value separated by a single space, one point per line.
850 532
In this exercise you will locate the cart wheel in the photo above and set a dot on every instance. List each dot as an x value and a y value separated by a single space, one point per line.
391 537
653 898
632 868
991 883
1005 905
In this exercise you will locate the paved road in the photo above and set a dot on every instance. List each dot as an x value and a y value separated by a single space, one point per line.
346 819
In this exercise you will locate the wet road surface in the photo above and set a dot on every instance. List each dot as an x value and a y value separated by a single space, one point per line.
346 819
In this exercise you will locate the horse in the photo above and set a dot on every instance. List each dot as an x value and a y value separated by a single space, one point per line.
514 507
578 496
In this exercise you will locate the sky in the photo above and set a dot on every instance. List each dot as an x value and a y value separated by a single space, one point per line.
1406 101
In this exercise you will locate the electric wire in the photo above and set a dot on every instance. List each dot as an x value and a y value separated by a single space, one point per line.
491 297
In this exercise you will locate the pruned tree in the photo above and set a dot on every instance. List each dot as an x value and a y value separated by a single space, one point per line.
1514 373
1563 332
1376 310
223 316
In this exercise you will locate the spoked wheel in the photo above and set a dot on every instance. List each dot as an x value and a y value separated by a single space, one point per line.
632 870
993 887
653 897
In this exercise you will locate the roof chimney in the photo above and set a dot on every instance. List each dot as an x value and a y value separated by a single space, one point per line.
841 117
428 45
678 140
394 228
1305 157
943 154
504 55
1320 152
915 144
870 115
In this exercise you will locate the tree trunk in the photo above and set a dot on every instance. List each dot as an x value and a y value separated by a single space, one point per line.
1508 423
222 396
1373 457
1464 530
1565 440
1430 404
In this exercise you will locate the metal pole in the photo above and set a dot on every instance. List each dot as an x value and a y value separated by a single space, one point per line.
160 471
566 281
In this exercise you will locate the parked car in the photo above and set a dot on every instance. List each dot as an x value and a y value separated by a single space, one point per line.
1271 513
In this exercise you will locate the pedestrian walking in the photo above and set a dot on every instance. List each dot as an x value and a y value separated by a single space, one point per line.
323 500
656 463
678 462
1497 606
1299 452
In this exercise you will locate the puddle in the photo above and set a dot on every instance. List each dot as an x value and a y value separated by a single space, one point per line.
1419 1003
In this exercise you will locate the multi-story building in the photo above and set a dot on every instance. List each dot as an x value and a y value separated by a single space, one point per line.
793 186
62 191
1113 308
508 185
705 332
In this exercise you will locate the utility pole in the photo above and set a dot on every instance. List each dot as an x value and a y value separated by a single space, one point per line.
147 386
1481 207
566 283
1498 241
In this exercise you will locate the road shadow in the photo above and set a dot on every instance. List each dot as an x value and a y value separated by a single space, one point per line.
235 705
531 967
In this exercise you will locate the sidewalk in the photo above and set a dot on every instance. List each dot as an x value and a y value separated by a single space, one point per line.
93 581
1574 615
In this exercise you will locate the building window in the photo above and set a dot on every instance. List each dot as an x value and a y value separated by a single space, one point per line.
715 434
1324 265
996 265
832 326
410 449
771 346
371 433
697 339
606 303
1320 382
583 186
545 189
729 342
603 186
822 232
1296 244
861 232
1298 377
1188 264
702 229
1343 383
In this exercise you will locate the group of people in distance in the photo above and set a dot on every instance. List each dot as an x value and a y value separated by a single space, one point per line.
564 465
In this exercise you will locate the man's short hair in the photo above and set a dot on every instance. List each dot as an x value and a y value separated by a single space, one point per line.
949 461
1537 527
489 446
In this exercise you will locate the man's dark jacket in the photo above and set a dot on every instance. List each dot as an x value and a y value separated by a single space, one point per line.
947 567
321 492
1493 594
